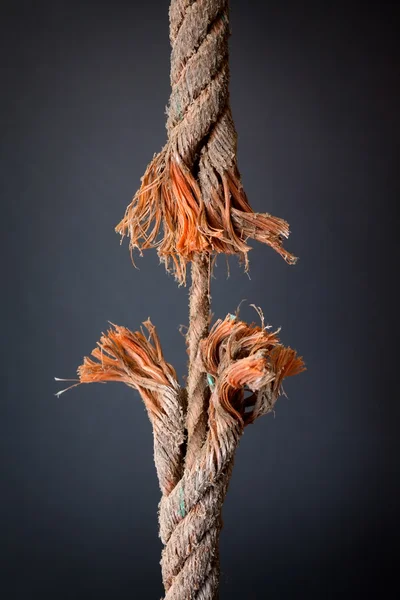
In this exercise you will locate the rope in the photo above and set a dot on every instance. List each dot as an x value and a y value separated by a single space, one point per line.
190 205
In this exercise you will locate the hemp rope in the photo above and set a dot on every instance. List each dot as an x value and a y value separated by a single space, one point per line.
191 204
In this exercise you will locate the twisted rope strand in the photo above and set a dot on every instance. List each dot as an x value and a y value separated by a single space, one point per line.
197 390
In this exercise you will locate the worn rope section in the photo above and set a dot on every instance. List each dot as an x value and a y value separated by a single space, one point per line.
191 199
138 361
245 366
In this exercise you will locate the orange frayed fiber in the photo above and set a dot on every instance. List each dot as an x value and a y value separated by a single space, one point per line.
239 356
133 359
138 361
235 354
168 213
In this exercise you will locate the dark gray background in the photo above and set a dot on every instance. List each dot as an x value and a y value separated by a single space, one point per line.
312 510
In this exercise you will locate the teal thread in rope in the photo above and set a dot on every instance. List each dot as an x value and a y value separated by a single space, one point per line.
211 381
182 511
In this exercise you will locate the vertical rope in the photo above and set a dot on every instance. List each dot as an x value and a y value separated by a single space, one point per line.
191 195
197 389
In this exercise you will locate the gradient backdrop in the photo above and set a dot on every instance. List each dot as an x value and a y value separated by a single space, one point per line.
312 509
